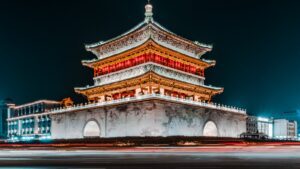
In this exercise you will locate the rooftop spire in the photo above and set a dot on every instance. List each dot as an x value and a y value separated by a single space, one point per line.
148 12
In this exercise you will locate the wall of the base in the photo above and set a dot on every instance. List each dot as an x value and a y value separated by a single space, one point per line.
147 118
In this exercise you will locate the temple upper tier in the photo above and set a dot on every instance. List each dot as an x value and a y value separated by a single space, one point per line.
149 59
146 30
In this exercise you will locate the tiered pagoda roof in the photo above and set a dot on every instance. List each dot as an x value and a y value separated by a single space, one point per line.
148 30
167 57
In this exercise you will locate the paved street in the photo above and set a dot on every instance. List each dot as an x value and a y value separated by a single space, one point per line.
138 158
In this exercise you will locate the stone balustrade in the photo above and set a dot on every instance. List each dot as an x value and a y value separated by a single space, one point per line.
138 98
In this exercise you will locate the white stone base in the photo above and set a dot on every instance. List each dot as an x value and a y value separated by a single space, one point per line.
147 118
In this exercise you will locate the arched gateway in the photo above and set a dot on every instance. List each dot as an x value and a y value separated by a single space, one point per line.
91 129
210 129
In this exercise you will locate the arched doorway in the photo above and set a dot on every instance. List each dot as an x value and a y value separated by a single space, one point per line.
91 129
210 129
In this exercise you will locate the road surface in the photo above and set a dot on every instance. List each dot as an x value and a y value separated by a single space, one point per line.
253 157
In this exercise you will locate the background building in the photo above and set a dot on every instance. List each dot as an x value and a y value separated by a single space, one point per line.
251 124
260 125
5 108
290 115
25 122
265 125
285 129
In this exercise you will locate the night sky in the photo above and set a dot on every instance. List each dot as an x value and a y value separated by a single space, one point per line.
256 46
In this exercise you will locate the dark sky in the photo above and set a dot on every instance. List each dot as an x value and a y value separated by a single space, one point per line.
256 45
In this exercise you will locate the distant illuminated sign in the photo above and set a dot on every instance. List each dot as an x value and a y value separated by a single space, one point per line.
263 119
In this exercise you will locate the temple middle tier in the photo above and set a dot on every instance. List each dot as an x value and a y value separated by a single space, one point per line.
148 83
149 52
141 69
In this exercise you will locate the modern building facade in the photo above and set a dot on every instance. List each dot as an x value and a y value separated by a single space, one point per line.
147 82
26 121
5 108
285 129
251 124
266 126
260 125
290 115
273 128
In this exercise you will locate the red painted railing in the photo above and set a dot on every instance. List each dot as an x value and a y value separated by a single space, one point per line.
150 57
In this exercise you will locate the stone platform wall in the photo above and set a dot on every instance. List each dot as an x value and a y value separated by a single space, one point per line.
147 118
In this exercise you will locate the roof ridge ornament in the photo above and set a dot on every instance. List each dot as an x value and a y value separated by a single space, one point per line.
148 12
